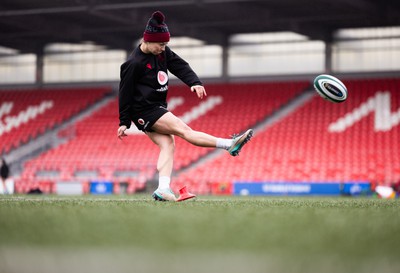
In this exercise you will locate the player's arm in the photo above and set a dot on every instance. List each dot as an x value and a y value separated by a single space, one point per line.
126 88
199 90
181 69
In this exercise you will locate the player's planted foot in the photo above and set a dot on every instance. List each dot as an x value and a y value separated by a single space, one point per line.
164 195
239 142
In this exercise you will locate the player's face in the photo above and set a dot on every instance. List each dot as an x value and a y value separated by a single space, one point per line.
156 48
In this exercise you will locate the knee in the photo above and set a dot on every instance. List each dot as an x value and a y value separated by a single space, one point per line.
168 144
185 132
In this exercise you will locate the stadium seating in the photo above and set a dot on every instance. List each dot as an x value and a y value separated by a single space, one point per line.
96 151
244 105
25 114
319 142
305 146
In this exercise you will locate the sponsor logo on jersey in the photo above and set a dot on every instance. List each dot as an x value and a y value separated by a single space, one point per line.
162 77
162 89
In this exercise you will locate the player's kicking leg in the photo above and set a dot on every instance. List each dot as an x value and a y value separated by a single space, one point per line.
239 142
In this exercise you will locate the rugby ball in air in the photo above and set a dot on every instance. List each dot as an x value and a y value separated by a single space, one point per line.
330 88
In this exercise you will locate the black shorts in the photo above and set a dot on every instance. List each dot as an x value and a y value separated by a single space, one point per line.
145 120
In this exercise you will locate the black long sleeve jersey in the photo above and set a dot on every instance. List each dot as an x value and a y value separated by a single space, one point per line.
144 81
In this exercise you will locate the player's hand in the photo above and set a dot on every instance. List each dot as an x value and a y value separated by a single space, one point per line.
121 132
200 91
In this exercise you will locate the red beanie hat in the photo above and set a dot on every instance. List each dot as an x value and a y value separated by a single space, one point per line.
156 30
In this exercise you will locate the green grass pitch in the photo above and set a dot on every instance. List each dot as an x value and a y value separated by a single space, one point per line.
211 234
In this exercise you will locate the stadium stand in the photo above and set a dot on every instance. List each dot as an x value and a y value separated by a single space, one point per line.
243 106
96 153
25 114
320 142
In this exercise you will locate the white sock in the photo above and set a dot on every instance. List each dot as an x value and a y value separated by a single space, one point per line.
163 182
224 143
